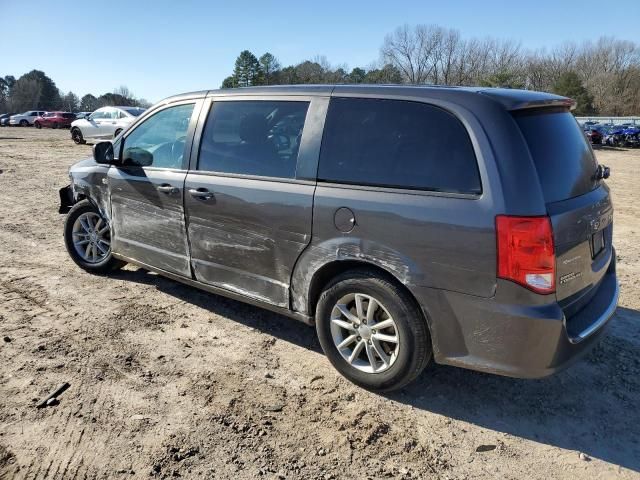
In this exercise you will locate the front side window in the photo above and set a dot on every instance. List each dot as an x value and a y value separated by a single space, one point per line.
110 113
159 141
97 115
399 144
253 137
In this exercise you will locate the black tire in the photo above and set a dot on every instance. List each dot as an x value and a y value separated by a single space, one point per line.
24 123
76 136
117 132
37 125
107 264
55 126
414 348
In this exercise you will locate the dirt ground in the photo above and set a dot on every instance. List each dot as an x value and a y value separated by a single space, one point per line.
167 381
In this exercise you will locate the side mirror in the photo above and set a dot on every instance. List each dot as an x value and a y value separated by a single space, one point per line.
137 157
103 153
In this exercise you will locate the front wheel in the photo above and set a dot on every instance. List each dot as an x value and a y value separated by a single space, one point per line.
87 236
24 123
372 331
76 136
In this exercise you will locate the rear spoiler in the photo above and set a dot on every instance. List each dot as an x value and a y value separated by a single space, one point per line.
514 100
565 103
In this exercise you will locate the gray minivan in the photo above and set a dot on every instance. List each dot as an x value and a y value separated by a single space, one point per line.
470 226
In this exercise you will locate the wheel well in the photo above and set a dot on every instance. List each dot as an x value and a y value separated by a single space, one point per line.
331 270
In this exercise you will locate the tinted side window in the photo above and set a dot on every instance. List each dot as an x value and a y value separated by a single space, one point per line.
253 138
159 141
399 144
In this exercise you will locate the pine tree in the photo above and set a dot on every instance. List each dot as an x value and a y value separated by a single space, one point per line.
247 71
570 85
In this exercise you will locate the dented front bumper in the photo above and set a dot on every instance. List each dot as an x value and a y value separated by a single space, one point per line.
66 199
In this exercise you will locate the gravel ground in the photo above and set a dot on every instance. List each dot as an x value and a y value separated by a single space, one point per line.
167 381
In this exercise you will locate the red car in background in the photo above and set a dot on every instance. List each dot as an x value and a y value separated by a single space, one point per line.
55 120
593 135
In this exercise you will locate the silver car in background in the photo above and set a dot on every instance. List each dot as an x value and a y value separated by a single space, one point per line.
104 123
25 119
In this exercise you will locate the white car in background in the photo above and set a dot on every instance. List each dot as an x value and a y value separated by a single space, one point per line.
103 124
25 119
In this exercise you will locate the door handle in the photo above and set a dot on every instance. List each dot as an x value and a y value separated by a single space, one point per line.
166 188
201 193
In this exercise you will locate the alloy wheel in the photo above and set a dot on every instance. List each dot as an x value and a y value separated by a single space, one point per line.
91 237
364 333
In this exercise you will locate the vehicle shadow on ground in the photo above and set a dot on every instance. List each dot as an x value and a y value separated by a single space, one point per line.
274 324
589 408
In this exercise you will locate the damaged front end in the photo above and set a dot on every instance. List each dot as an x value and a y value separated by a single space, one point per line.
66 199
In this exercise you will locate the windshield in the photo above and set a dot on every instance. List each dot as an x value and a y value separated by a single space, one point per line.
563 158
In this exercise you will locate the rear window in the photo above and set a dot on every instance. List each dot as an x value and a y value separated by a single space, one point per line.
134 111
399 144
563 158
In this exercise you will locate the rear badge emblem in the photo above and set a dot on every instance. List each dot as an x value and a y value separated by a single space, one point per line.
569 276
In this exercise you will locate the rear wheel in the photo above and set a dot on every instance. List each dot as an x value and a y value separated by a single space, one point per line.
76 136
87 236
372 331
37 125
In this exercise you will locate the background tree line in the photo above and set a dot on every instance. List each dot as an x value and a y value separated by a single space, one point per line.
602 75
35 90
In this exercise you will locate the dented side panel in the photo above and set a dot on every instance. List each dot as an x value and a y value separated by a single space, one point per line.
422 240
247 237
148 225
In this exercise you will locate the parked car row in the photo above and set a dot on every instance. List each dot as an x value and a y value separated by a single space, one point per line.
624 135
103 124
37 118
20 119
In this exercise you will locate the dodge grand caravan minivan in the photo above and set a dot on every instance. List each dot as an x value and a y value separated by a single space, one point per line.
470 226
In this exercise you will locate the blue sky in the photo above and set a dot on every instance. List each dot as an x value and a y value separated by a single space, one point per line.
160 48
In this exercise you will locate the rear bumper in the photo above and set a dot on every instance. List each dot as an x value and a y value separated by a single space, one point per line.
517 340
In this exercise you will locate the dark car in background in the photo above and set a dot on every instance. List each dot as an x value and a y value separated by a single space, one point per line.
4 119
55 120
409 224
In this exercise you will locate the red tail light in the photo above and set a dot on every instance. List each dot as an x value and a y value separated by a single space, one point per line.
525 252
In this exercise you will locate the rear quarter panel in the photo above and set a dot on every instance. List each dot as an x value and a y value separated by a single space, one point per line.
424 239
